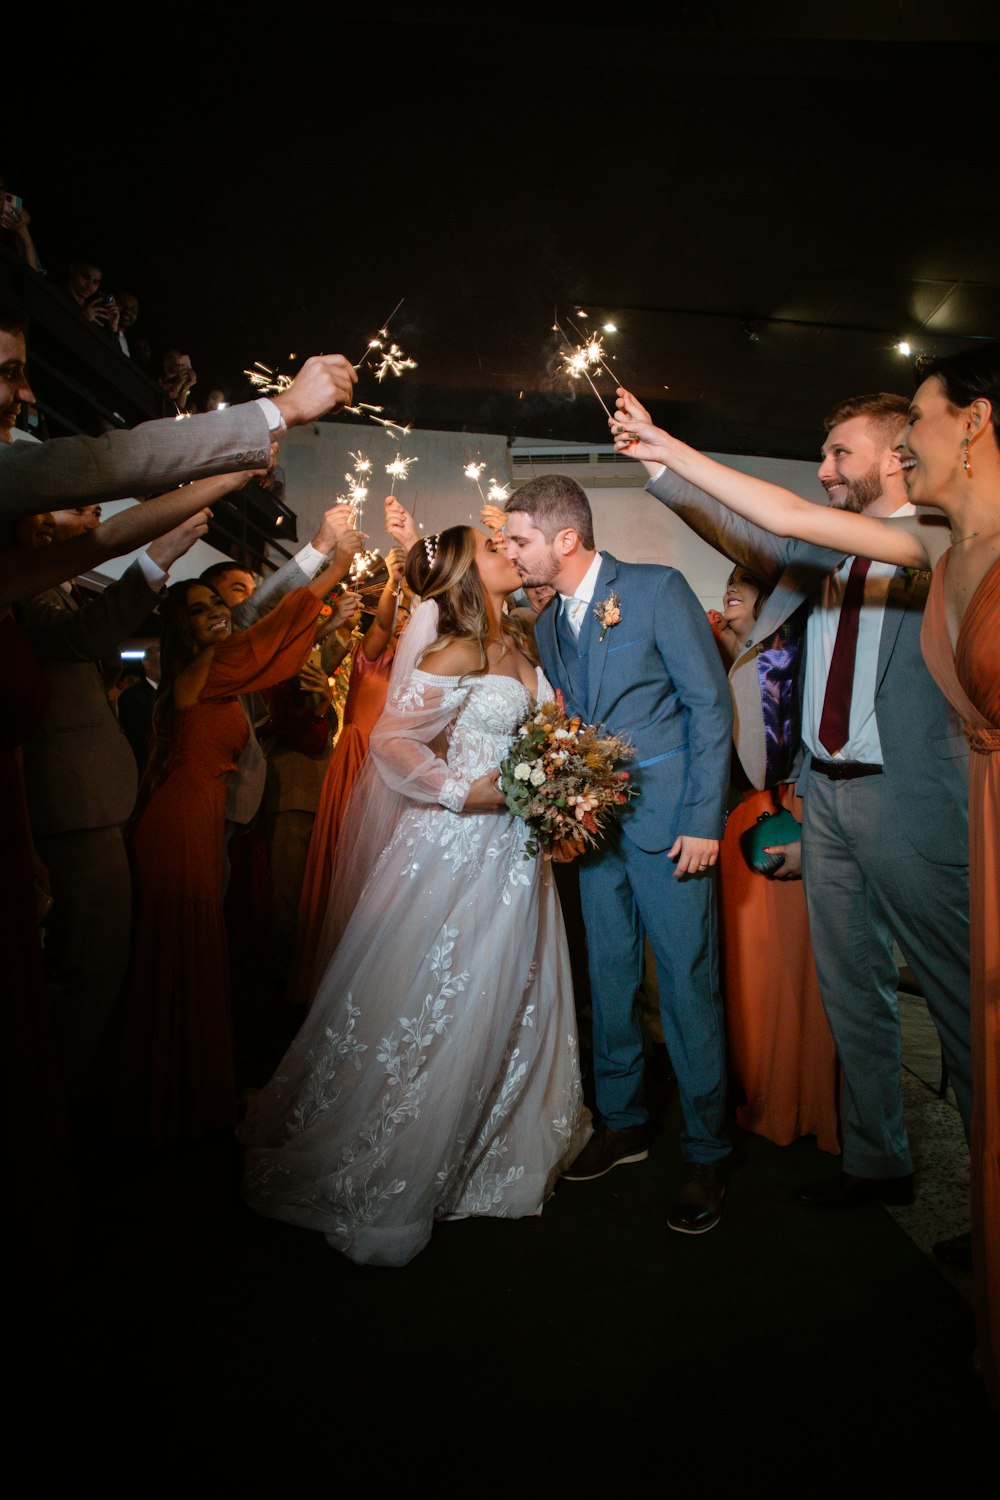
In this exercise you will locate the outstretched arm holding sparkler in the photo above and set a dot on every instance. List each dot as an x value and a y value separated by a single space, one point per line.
324 384
765 505
379 633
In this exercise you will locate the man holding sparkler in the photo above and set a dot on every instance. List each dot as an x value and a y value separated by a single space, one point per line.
155 456
629 647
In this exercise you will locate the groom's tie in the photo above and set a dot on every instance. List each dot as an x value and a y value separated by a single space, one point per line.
573 611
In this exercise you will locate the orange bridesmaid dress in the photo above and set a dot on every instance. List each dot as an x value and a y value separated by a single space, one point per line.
366 695
969 677
172 1047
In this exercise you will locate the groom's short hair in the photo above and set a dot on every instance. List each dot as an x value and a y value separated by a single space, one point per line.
554 502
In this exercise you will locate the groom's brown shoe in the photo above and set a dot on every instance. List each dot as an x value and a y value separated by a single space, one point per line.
609 1148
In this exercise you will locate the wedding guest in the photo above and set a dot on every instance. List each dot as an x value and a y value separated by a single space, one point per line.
950 456
365 700
782 1060
171 1063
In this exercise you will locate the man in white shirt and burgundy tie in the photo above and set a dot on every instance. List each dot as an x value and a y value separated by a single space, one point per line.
884 841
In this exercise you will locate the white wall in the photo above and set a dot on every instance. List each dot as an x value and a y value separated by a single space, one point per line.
627 520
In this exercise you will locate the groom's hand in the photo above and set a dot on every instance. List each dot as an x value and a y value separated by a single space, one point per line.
693 856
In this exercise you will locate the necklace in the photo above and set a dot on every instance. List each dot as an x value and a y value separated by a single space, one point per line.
957 540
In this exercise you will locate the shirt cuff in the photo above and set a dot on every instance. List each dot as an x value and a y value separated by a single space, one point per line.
272 415
152 572
453 794
309 560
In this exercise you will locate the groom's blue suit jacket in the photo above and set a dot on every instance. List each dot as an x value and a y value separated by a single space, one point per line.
656 678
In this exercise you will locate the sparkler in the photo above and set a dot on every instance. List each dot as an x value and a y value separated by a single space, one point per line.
365 564
364 409
579 360
594 348
474 472
400 468
379 340
266 380
498 494
393 359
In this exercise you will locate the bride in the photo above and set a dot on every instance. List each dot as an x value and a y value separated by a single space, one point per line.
436 1074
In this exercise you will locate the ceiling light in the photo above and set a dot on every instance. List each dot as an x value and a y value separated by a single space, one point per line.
610 327
903 347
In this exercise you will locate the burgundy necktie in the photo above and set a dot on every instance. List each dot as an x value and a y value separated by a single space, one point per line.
835 725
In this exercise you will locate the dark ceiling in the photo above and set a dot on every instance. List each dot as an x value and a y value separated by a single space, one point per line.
764 200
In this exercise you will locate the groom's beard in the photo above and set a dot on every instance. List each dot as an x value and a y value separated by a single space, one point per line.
539 574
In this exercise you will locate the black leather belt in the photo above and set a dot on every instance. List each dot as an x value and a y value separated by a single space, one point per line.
844 770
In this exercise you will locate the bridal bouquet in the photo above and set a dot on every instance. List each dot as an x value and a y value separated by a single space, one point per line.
559 776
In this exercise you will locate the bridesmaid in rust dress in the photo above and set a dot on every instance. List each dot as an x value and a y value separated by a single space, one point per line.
782 1059
172 1047
366 695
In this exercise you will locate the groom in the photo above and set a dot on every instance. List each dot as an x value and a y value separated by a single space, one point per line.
630 648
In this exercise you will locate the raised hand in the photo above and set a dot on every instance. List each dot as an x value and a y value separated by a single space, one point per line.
336 522
399 523
325 383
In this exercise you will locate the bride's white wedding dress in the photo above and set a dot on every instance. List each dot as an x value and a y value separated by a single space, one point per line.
436 1075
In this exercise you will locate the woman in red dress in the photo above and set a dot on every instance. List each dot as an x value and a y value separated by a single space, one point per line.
173 1049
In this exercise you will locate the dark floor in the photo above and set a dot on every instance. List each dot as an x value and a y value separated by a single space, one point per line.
788 1347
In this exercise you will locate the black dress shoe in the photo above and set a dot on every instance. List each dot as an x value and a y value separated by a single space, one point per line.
844 1191
609 1148
698 1206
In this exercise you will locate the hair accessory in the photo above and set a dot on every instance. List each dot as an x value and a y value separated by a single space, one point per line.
965 456
430 548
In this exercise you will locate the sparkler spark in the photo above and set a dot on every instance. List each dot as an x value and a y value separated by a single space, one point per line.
497 493
400 468
266 380
364 564
474 471
579 361
364 409
394 360
379 340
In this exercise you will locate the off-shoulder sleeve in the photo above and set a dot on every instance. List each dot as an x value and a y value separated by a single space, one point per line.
409 742
268 652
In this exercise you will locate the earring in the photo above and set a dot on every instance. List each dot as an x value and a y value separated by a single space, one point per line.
965 457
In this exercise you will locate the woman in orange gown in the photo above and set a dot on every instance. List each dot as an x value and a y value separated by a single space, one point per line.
366 695
951 459
172 1046
782 1058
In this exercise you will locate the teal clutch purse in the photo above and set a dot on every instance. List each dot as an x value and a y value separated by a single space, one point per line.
778 827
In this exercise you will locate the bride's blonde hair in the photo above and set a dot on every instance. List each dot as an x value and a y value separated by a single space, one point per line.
442 567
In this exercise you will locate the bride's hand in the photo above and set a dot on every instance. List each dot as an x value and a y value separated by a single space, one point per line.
484 795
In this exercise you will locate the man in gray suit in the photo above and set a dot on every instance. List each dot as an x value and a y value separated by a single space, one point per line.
884 839
629 647
155 456
81 781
